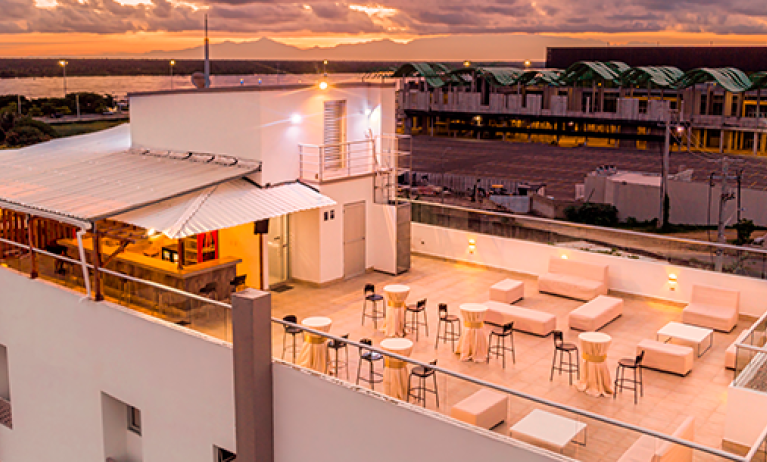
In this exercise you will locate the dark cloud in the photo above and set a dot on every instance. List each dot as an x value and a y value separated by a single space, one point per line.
411 17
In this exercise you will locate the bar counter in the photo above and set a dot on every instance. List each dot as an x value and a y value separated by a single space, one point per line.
189 278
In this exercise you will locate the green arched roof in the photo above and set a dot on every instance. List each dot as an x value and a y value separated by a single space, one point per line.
758 80
657 76
730 78
594 70
497 76
432 72
541 77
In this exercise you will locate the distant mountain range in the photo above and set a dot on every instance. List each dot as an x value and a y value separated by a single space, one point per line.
491 47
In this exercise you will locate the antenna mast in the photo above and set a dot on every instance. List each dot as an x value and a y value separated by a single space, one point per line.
207 55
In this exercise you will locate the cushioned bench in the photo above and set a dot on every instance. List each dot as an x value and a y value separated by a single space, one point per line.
574 279
666 357
593 315
712 307
485 408
507 291
649 449
525 320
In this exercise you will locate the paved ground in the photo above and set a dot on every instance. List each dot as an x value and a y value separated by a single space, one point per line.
560 168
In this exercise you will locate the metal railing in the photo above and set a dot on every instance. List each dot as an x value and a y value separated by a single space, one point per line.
742 261
333 161
583 415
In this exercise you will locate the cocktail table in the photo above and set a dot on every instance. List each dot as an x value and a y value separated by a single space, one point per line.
549 428
687 333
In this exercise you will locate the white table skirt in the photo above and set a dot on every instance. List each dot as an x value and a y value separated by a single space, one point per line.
314 351
395 376
595 375
472 346
395 311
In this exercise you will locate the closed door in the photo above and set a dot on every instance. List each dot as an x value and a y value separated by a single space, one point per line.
354 239
277 248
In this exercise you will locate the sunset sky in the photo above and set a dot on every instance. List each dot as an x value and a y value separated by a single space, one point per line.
115 27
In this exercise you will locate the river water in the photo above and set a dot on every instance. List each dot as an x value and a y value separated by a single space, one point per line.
119 86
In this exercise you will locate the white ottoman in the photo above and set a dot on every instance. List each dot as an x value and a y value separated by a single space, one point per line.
666 357
595 314
485 408
507 291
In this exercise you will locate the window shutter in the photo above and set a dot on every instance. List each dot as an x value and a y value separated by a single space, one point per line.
334 134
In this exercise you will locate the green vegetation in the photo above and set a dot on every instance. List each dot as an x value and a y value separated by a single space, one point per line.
90 103
30 67
81 128
744 227
593 214
17 131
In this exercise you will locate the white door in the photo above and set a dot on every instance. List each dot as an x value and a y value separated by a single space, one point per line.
354 239
277 248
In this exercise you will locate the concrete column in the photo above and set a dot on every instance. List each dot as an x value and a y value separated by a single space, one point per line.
253 401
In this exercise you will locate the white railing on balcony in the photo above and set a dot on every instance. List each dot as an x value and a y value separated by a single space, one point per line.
384 155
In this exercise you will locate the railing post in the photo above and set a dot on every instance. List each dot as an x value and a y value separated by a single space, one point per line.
300 161
253 379
97 292
31 242
321 160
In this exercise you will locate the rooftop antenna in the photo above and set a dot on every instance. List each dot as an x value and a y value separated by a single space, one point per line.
207 55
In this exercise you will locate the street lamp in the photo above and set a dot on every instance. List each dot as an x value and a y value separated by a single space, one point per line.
172 63
63 65
528 63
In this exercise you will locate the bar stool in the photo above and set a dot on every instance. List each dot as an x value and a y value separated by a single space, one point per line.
447 320
292 331
372 297
633 364
336 345
238 281
422 373
561 347
500 348
414 323
371 357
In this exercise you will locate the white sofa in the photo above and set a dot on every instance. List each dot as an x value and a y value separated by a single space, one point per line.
712 307
485 408
507 291
593 315
574 279
666 357
525 320
649 449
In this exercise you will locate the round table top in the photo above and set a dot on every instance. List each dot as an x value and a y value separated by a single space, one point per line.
317 322
396 288
594 337
473 307
396 344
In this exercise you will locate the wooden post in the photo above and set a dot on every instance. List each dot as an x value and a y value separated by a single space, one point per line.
97 292
30 241
180 250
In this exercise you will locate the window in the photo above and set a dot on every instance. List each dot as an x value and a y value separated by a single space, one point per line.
134 420
222 455
334 133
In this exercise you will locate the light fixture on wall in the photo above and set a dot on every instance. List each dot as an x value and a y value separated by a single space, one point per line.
368 111
323 85
295 119
472 245
564 257
672 281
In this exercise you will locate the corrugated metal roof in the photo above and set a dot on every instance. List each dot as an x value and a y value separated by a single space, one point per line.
90 177
223 206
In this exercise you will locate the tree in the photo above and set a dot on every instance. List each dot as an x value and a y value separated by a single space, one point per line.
25 135
744 227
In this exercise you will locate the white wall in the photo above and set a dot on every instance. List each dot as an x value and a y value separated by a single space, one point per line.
627 275
383 233
318 420
332 231
305 245
746 416
65 352
255 122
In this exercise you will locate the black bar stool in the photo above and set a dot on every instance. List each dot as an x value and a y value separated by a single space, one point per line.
447 321
500 334
373 298
422 373
336 345
238 281
633 364
292 331
560 347
413 324
371 357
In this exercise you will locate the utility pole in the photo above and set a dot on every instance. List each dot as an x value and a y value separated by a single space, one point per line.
725 196
664 174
